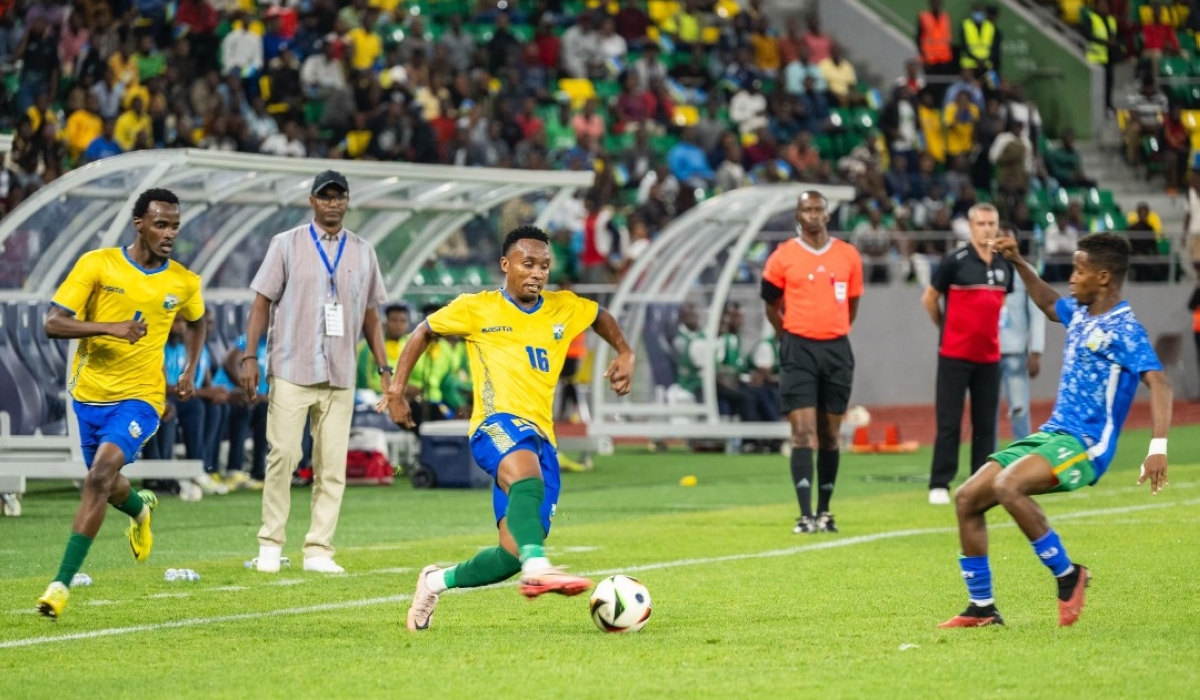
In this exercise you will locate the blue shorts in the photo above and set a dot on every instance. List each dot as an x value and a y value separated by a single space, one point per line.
504 433
126 424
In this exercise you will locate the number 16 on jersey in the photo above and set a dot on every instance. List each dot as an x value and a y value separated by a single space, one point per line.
539 359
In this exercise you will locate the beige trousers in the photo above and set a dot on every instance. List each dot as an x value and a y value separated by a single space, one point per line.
331 410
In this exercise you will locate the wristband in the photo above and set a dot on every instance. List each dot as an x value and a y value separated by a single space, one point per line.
249 357
385 368
1158 446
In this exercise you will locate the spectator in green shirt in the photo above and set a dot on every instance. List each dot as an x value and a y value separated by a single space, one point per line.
1065 164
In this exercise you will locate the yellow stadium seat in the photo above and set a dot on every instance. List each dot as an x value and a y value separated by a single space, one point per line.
578 90
1190 119
726 9
660 10
686 115
710 35
1181 15
1122 118
1146 14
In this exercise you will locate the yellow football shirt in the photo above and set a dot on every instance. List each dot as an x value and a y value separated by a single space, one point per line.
106 286
515 355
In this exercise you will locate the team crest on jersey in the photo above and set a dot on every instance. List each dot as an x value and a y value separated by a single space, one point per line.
169 304
1098 340
559 330
134 429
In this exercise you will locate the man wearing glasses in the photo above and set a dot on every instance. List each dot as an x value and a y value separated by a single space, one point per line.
317 287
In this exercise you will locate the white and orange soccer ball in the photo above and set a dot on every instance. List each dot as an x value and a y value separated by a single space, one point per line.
620 604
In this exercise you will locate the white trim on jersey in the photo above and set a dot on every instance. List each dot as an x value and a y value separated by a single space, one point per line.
1110 395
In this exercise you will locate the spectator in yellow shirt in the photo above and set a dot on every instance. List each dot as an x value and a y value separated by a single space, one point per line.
83 126
839 74
933 133
366 47
960 119
133 123
124 65
766 48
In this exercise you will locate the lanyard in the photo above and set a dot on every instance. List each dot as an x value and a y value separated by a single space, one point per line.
332 269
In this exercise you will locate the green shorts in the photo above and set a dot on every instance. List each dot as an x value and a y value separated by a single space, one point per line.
1067 457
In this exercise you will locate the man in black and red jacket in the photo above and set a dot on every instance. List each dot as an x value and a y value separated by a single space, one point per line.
973 281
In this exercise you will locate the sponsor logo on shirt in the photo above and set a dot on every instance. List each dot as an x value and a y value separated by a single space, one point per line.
114 290
498 329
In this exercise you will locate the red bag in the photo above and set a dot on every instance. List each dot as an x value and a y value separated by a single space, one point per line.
368 468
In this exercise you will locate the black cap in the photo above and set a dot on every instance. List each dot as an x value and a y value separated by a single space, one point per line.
329 177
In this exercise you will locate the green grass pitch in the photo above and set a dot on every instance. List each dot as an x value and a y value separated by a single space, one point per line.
742 607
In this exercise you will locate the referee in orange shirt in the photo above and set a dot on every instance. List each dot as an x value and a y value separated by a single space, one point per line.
811 286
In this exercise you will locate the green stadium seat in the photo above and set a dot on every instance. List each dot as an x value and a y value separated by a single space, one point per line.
1174 67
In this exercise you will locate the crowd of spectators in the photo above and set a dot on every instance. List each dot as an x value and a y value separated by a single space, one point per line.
666 101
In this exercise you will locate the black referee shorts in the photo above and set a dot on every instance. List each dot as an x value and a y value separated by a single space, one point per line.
816 373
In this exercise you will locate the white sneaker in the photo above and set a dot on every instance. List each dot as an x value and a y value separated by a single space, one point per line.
212 485
268 559
323 565
939 497
10 504
190 491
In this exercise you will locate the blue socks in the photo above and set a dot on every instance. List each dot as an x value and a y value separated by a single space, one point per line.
978 574
1050 550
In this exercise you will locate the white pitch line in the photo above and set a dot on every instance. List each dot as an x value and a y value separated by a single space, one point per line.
192 622
345 605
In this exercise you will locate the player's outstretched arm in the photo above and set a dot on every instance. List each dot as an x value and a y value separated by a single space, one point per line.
1041 293
61 323
1154 467
394 400
620 370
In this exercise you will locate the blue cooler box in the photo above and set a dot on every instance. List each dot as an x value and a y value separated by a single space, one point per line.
445 458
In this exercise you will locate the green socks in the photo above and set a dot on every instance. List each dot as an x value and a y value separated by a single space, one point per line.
132 505
77 549
525 517
489 566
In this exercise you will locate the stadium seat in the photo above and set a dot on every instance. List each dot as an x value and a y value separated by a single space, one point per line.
578 90
1174 67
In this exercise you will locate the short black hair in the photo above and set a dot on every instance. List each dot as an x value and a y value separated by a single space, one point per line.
395 307
1107 251
520 233
1010 227
156 194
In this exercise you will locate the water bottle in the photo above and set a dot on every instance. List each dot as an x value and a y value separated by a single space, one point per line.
192 575
81 580
172 575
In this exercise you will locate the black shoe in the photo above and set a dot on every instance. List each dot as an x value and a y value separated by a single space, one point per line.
825 522
975 616
805 525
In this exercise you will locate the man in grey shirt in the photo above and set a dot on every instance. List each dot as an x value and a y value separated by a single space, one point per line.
318 285
1022 341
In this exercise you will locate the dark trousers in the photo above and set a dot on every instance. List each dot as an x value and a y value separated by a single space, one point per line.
248 420
954 379
216 418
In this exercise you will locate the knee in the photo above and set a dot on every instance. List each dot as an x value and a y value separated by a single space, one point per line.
100 477
1005 488
804 436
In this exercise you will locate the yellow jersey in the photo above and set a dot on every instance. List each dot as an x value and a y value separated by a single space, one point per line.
106 286
515 354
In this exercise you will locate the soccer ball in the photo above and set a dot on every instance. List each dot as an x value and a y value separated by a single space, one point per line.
620 604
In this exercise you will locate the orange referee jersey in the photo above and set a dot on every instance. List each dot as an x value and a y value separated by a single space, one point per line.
817 286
